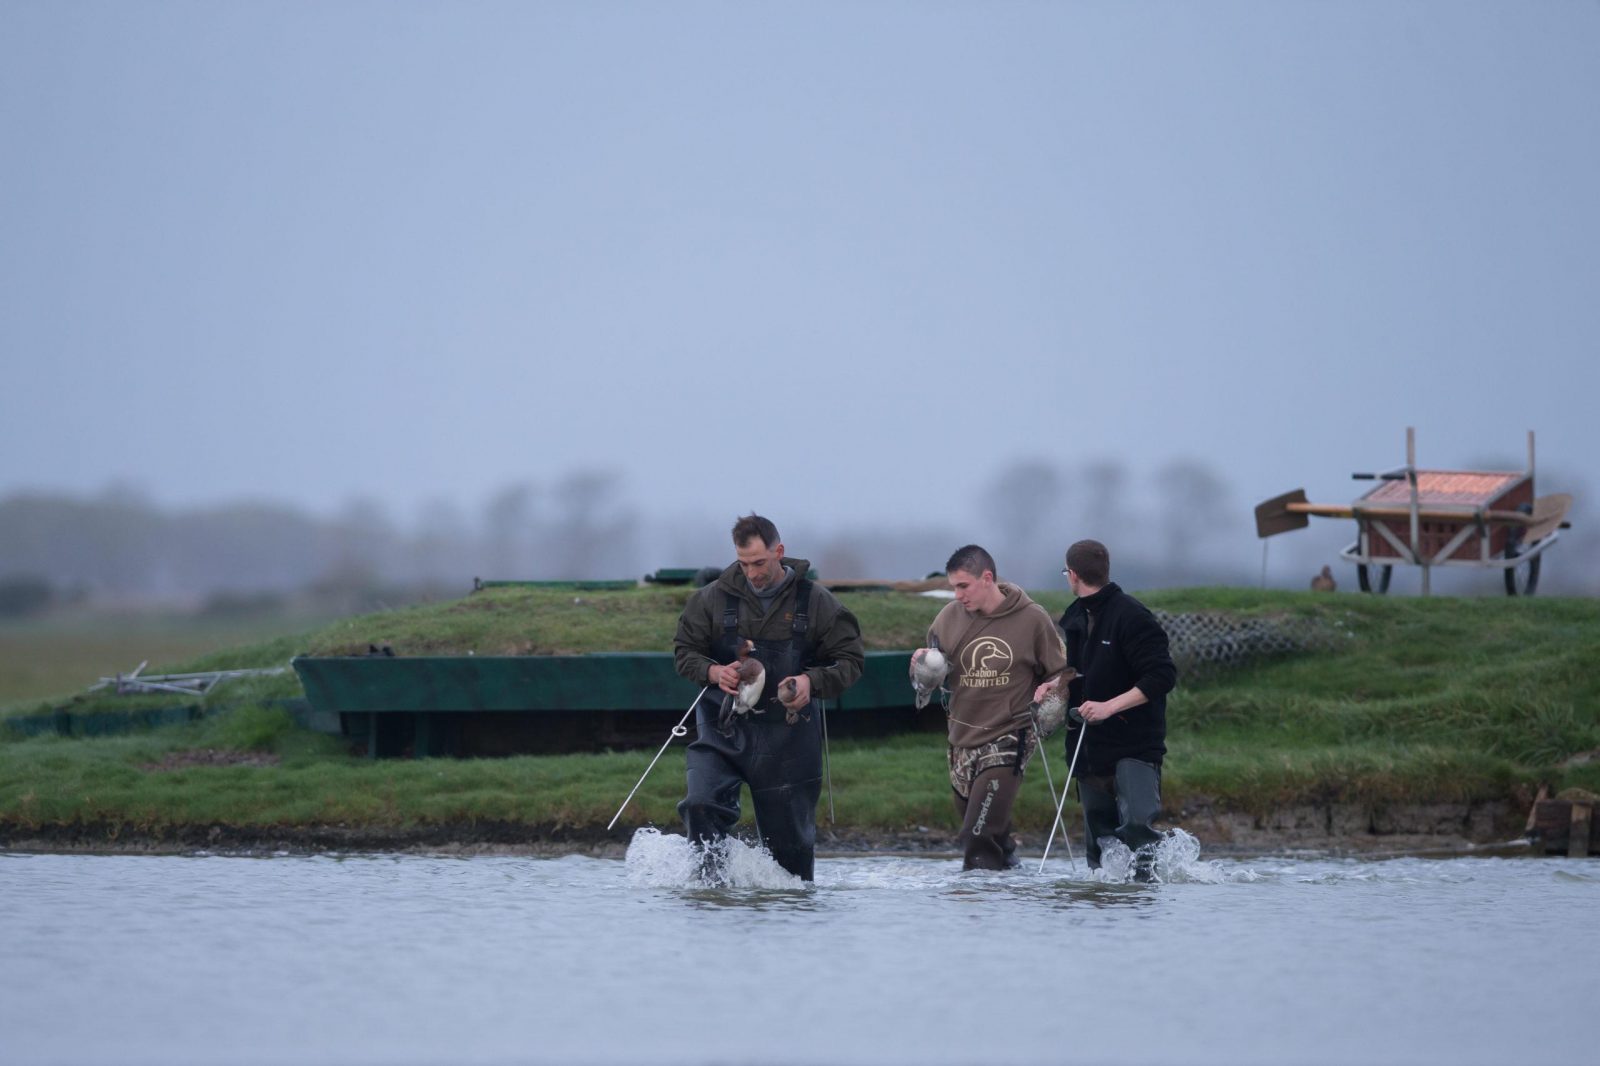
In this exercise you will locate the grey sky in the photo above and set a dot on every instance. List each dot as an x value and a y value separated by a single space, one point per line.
843 262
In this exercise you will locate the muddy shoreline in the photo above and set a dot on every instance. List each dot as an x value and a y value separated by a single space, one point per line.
1339 829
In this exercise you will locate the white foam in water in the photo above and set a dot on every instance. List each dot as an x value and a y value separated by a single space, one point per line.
1176 860
667 860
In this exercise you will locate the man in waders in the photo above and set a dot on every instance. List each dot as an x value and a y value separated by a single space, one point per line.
1124 672
810 647
1000 645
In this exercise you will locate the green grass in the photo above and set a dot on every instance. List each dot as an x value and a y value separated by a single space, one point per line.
542 621
1408 700
58 656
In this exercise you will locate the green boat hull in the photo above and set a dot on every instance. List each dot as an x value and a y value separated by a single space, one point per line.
465 704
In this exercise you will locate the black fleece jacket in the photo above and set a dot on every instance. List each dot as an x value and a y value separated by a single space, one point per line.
1115 643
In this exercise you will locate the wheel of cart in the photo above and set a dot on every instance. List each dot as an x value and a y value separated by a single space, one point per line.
1374 578
1523 579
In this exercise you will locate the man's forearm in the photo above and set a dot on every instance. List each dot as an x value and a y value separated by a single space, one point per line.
829 681
1130 699
693 666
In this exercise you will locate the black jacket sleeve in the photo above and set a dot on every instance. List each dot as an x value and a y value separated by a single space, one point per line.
1144 643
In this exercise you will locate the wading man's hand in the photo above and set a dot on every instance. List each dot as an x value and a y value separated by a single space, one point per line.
799 688
1094 711
724 677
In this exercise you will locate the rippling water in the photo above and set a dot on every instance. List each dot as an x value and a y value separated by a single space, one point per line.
408 959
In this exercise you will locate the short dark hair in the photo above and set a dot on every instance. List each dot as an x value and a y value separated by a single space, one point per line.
751 526
973 559
1090 561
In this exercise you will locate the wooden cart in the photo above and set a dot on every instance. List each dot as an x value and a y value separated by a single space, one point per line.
1432 518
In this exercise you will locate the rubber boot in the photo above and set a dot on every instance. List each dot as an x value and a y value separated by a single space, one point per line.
1123 806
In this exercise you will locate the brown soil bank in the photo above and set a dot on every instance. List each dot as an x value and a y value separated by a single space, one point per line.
1332 829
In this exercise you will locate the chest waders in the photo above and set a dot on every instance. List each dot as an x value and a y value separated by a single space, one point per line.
781 763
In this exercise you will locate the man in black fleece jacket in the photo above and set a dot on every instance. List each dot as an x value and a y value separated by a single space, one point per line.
1124 674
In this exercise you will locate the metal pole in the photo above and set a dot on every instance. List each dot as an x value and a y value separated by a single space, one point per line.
827 763
1065 786
1066 837
677 731
1416 519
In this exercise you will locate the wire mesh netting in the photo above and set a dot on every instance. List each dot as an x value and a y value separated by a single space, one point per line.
1204 641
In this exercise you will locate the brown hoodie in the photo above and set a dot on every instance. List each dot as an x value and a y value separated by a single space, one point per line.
996 661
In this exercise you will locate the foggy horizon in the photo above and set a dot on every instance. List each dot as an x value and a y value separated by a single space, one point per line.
845 267
1181 525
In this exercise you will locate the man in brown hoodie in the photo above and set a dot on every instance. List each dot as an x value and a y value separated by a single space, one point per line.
1000 646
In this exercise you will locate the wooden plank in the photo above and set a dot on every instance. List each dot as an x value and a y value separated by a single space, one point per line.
1273 516
1427 514
1561 828
1548 514
871 584
1578 833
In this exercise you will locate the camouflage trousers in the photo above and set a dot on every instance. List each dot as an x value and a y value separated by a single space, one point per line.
1013 749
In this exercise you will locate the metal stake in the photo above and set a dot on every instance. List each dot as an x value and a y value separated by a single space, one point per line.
1065 785
677 731
827 763
1066 837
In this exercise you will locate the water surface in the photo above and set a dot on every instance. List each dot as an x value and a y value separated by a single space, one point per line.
410 959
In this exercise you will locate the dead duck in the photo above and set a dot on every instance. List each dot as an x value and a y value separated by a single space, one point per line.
1050 712
928 667
752 680
788 689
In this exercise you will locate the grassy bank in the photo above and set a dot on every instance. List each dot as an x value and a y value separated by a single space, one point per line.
42 659
1402 701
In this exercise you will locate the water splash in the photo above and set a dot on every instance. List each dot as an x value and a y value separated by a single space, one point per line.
667 860
1174 859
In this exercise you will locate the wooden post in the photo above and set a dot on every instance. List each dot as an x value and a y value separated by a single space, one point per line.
1578 837
1416 519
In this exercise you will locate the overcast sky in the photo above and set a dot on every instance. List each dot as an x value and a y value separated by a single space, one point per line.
845 261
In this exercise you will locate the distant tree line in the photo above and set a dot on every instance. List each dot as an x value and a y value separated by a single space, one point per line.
120 548
1182 524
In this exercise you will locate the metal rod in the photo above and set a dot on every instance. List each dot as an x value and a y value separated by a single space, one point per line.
677 731
1049 779
1065 786
827 762
1416 505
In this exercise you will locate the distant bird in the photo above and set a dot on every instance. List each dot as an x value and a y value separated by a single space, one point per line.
752 680
374 651
1324 581
1051 712
928 667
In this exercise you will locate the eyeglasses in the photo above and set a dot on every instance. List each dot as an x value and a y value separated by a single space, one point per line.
1065 570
